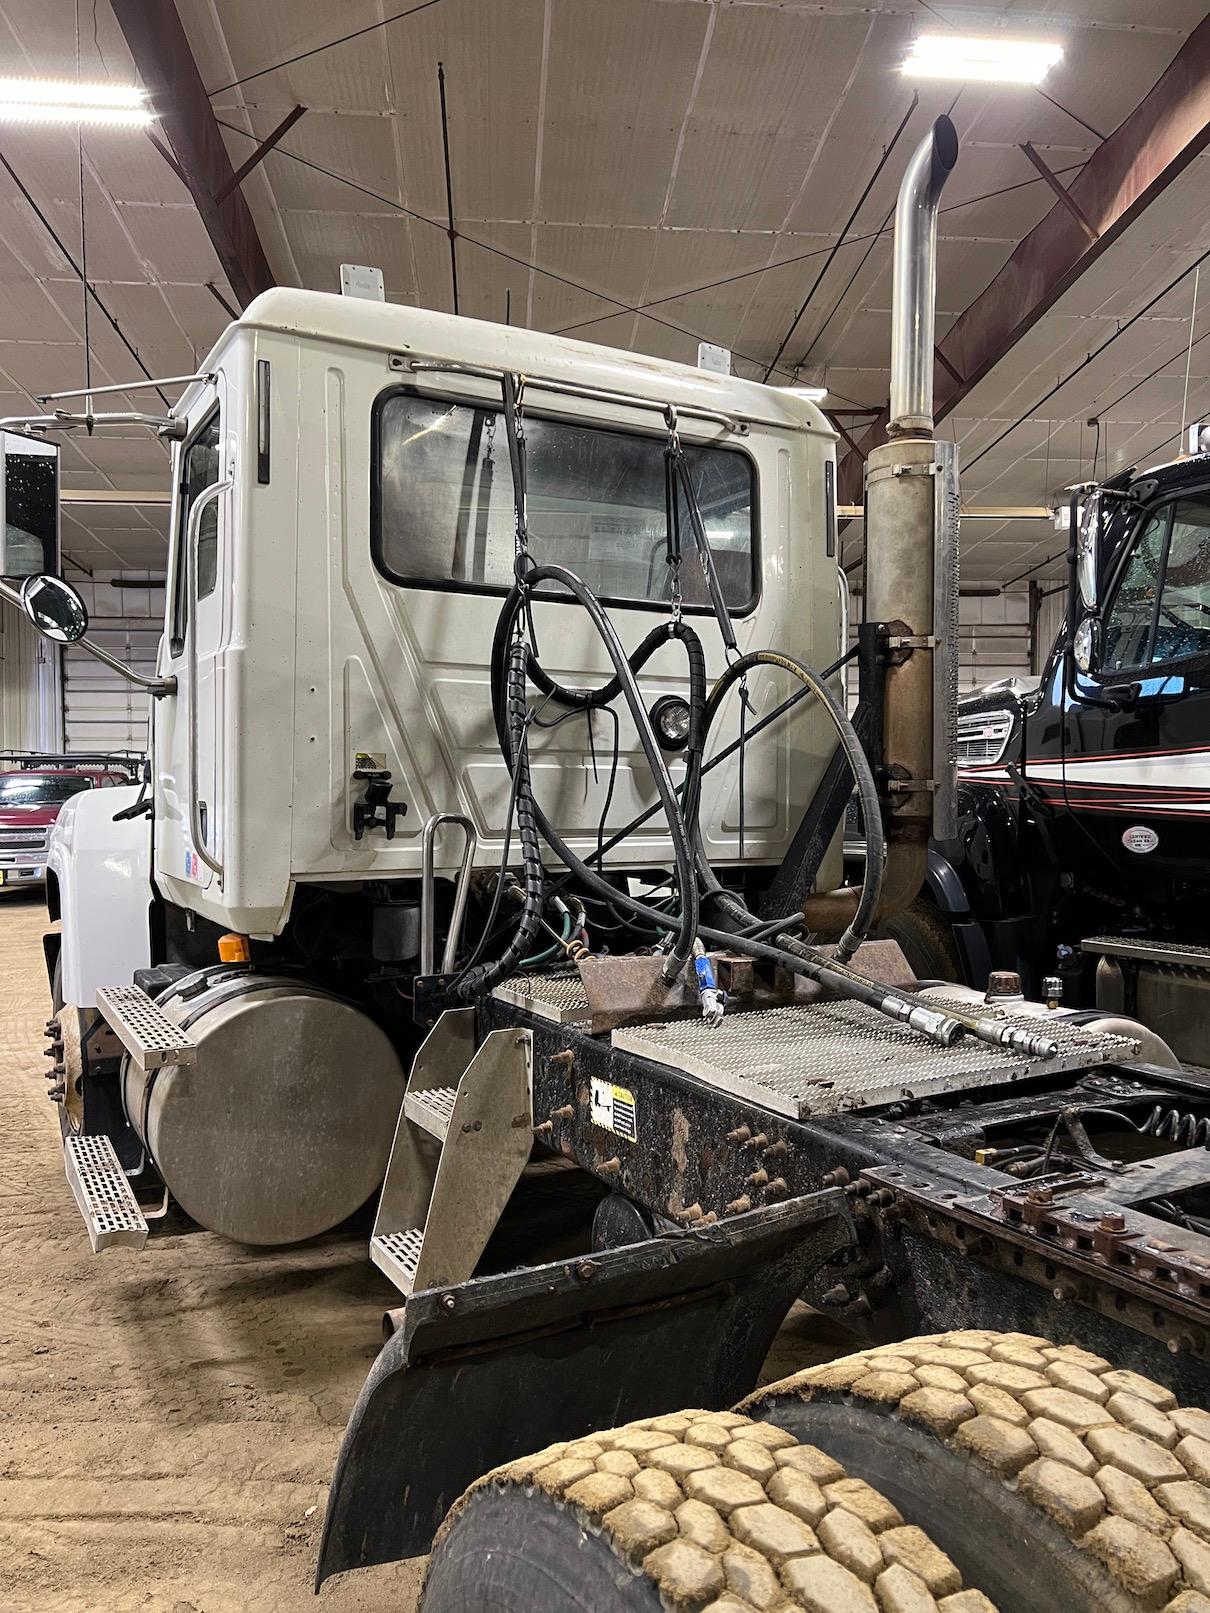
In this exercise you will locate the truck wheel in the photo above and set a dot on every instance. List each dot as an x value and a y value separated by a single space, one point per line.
701 1512
927 942
1053 1482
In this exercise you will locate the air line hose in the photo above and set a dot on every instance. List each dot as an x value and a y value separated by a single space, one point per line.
685 926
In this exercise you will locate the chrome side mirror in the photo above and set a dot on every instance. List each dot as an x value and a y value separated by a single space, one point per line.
1088 550
55 609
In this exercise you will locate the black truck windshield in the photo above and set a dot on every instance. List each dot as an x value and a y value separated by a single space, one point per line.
40 789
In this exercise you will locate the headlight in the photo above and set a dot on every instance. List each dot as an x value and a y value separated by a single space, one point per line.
670 718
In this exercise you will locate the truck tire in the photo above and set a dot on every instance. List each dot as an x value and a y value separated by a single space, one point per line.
927 942
701 1512
1054 1483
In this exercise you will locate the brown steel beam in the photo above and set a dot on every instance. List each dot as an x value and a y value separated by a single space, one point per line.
1065 197
165 63
262 151
1124 175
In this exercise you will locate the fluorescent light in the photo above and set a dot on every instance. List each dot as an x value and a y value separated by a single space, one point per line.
813 394
114 117
40 100
991 61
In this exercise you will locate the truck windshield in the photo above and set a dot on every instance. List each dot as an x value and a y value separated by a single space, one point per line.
444 504
40 789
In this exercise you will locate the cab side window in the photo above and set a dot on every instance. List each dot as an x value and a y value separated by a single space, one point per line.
1161 611
199 470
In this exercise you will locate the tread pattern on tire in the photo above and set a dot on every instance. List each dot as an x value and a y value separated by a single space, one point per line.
726 1514
1108 1455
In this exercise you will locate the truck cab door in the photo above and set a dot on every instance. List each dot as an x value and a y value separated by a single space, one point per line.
189 737
1136 761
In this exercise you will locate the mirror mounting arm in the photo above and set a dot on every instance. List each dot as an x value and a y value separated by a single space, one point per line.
156 687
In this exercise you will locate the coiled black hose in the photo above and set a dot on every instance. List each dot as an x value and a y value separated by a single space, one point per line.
686 924
875 862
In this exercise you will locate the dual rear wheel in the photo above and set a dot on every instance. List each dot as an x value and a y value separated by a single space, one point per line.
964 1472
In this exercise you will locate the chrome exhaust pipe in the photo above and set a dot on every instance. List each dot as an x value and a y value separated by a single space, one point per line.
914 298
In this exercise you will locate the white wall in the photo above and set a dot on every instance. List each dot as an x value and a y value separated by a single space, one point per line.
1050 619
30 713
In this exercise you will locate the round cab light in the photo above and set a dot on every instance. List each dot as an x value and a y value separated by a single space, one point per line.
670 718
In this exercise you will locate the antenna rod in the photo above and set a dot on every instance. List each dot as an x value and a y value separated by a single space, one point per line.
449 184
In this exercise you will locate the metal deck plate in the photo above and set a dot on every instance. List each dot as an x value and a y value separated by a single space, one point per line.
821 1058
559 998
1181 953
103 1194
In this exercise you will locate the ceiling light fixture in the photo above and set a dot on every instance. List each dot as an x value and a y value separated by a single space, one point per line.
40 100
989 61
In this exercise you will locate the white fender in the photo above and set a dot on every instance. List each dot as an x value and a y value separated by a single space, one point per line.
98 877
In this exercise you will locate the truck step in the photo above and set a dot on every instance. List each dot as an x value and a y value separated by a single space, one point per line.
432 1109
150 1037
397 1254
103 1194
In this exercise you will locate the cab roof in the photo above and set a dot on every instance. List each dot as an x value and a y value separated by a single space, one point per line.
425 333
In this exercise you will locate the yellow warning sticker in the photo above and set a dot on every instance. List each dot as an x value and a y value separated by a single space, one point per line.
614 1108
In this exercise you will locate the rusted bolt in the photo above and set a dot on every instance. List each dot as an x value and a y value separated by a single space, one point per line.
738 1206
566 1057
757 1179
836 1178
777 1188
567 1112
759 1141
448 1302
1064 1292
1180 1343
777 1149
1040 1195
836 1295
586 1271
709 1218
56 1093
610 1167
860 1306
545 1129
1113 1221
883 1197
692 1212
740 1134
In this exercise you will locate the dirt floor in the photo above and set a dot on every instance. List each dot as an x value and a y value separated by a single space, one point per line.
169 1420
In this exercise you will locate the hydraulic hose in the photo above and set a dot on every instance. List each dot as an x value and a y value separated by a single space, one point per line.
871 884
484 976
685 926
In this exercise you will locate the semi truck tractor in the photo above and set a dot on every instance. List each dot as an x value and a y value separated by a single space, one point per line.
493 826
1082 801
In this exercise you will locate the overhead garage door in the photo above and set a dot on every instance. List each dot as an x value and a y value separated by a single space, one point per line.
101 710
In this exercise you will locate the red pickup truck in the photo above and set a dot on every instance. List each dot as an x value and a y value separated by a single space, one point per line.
33 788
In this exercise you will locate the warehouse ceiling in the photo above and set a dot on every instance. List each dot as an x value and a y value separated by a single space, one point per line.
643 173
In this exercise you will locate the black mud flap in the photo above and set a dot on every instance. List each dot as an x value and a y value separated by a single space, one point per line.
502 1365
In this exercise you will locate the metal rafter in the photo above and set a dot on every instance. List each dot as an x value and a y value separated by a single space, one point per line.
1124 175
165 63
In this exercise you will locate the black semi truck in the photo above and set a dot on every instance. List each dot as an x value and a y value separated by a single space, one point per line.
1081 848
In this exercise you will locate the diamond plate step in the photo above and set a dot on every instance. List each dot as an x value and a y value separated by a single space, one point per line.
431 1110
149 1036
397 1254
103 1194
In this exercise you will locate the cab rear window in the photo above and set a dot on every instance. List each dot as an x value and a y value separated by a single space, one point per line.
443 505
